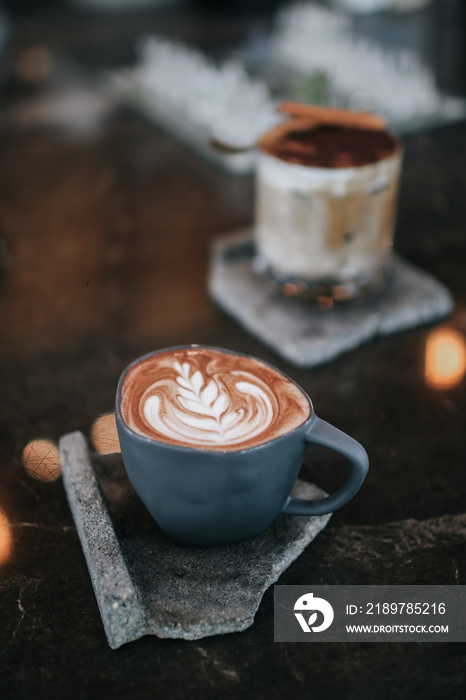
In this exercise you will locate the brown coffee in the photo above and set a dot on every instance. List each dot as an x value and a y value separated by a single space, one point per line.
329 146
200 397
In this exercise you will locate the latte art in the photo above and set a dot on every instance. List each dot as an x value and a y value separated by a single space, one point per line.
203 412
206 398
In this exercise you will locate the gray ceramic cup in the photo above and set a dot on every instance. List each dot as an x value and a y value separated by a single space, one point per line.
200 497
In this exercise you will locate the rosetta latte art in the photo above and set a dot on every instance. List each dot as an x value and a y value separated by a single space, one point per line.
211 399
211 411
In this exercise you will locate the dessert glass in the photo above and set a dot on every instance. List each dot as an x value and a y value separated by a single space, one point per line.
325 232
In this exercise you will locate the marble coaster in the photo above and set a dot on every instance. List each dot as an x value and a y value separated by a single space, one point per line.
145 584
300 332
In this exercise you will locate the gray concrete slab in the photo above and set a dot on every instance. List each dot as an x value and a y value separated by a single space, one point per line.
297 329
145 584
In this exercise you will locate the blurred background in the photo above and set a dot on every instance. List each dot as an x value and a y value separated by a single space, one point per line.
428 36
106 224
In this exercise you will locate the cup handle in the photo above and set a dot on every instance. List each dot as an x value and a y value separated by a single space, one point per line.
322 433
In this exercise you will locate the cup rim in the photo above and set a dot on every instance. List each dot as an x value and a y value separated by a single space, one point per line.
195 448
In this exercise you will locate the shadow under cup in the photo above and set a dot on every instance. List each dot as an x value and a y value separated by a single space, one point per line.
201 497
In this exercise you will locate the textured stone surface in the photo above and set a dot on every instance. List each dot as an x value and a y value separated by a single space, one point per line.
116 595
405 552
145 584
302 333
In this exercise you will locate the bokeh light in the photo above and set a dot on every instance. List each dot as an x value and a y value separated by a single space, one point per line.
445 362
6 539
41 459
34 64
104 434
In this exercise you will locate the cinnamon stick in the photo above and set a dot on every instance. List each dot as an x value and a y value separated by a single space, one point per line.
332 115
275 134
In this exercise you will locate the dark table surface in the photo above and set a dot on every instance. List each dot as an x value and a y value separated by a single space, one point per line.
104 254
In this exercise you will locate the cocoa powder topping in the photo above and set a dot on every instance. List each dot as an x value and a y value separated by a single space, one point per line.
331 146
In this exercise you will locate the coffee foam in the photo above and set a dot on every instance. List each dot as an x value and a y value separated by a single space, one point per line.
210 399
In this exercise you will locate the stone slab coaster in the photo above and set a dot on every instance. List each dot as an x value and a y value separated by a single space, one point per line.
303 334
145 584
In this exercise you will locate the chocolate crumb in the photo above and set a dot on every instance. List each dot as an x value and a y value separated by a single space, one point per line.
333 146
